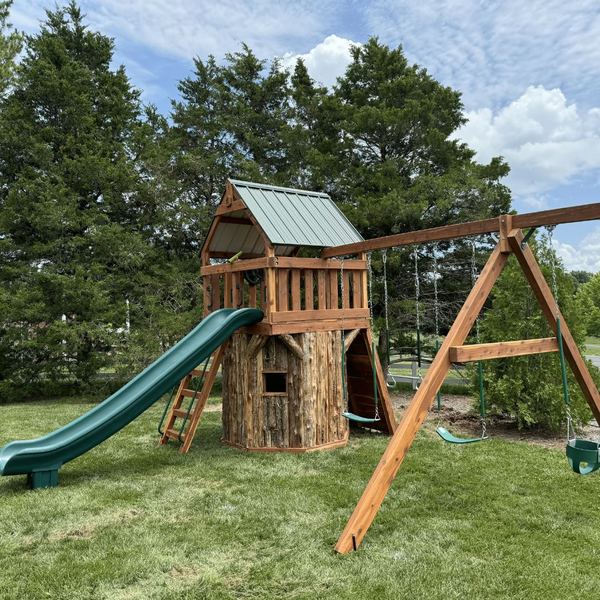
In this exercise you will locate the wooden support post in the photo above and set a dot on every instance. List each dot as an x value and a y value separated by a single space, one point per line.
350 337
505 229
361 300
545 298
255 345
390 462
474 352
270 287
292 345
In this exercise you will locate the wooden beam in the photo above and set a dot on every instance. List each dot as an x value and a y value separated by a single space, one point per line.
319 315
235 206
414 237
350 337
572 214
292 345
415 414
255 345
288 262
237 221
546 300
238 265
267 328
472 353
556 216
245 255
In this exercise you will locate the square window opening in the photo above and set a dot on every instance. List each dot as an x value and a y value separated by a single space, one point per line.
275 382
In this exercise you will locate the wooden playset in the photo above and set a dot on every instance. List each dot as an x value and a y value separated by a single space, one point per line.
283 389
294 338
283 381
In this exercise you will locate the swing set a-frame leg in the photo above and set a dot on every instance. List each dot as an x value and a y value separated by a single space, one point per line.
415 414
545 299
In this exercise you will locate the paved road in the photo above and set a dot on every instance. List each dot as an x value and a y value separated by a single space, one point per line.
595 360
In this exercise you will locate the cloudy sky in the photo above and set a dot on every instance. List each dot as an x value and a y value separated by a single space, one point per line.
529 72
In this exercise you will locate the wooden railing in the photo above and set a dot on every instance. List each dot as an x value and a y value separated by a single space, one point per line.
294 290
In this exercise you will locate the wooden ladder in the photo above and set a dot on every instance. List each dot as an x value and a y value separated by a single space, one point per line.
177 411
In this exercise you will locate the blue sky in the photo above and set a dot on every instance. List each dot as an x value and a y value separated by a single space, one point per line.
529 72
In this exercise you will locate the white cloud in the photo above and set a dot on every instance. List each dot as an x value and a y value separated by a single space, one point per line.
186 28
491 51
326 61
584 258
546 141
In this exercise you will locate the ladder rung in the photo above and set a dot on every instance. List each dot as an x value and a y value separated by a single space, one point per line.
181 413
198 372
189 393
174 435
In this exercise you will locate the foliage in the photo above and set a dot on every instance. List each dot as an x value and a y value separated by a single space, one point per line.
530 387
10 45
104 200
588 299
580 277
70 245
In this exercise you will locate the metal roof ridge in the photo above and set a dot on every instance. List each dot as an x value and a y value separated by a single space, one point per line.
277 188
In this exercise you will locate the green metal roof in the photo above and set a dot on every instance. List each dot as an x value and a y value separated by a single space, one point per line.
292 217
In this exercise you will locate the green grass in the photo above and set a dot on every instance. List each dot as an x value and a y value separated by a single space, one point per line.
590 339
133 520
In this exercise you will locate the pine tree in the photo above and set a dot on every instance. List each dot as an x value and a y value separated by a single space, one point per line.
70 242
11 42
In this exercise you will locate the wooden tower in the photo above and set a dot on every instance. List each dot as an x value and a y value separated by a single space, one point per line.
282 378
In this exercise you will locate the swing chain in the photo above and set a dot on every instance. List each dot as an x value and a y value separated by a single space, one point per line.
385 288
436 304
550 229
370 301
389 379
418 313
474 277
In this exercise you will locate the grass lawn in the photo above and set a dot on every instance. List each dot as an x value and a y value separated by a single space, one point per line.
132 520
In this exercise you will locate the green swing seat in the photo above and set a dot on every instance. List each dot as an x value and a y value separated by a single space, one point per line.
352 417
448 437
583 456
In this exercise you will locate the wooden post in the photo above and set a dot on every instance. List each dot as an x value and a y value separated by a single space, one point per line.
505 229
545 298
270 287
390 462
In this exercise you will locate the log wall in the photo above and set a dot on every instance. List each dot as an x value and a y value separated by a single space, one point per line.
308 416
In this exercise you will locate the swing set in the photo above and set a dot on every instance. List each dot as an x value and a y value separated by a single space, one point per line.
583 455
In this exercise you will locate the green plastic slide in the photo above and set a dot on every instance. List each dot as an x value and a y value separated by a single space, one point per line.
41 458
